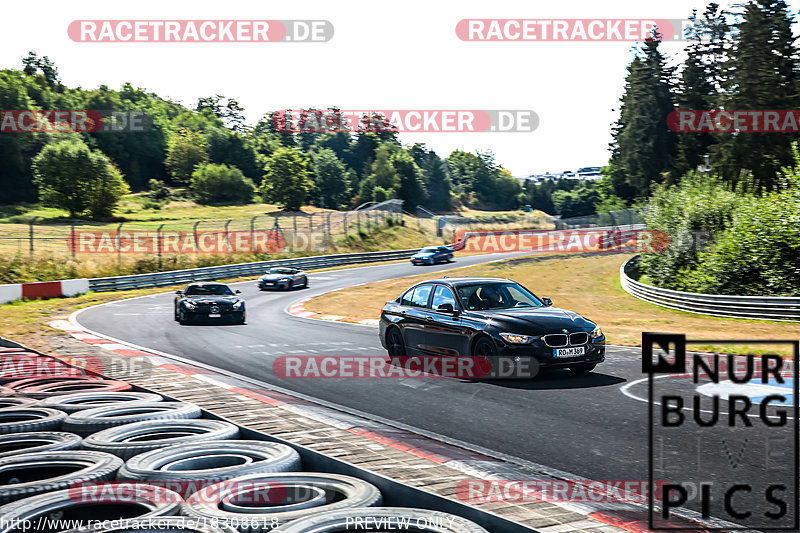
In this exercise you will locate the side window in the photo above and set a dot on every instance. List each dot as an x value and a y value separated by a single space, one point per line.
443 295
420 297
406 299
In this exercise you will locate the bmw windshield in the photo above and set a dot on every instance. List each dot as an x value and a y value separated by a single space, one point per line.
488 296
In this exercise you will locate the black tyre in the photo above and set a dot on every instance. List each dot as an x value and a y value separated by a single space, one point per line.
90 421
70 403
484 347
17 401
210 462
69 504
183 319
582 369
289 496
395 345
400 518
29 418
139 437
158 524
37 441
28 474
44 387
305 283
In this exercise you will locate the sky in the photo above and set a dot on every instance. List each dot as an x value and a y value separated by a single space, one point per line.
399 55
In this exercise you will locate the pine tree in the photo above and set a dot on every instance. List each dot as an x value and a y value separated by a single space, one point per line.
760 74
643 147
700 81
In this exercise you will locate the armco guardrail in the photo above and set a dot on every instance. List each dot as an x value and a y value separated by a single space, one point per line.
175 277
783 308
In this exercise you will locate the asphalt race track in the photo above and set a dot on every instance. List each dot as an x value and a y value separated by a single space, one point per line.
593 426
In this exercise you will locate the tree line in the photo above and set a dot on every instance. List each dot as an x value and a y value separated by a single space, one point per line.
210 150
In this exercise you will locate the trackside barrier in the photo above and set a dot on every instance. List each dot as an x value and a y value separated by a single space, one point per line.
44 289
175 277
781 308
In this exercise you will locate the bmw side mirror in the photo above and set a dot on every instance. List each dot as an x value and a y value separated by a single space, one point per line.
547 302
178 292
448 308
237 291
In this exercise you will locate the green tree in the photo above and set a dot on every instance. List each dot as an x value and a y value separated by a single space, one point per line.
700 81
384 173
186 151
331 179
286 179
226 109
72 177
411 187
643 148
762 73
221 184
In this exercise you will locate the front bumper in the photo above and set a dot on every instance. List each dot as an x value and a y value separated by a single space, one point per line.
228 314
527 360
422 261
269 284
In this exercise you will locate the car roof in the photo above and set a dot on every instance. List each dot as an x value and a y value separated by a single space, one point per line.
205 283
467 281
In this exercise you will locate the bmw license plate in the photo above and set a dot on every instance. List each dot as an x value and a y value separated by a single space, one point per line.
214 315
569 352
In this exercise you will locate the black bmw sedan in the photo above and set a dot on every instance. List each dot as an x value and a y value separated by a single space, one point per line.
494 318
209 301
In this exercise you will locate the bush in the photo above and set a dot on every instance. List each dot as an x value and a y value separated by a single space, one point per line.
692 213
158 191
221 184
757 252
82 181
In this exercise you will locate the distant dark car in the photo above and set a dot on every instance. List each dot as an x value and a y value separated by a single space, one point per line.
209 301
430 255
283 278
489 317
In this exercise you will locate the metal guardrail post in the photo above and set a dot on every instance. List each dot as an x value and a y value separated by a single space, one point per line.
30 236
119 244
158 244
294 231
194 232
253 232
227 234
72 236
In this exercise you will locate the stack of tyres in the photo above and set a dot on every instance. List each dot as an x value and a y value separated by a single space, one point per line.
86 454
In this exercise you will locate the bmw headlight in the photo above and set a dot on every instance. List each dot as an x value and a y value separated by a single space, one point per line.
239 304
188 304
514 338
596 333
